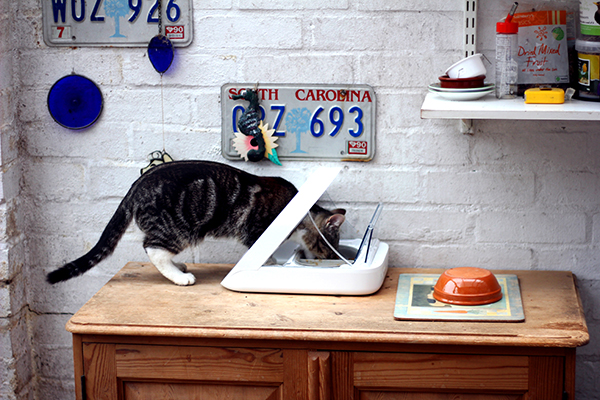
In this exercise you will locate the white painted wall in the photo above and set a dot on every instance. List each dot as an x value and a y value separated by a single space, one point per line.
517 194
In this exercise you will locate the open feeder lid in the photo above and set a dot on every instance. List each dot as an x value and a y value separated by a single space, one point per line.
279 230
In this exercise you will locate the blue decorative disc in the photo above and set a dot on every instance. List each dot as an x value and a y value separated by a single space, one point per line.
160 52
75 102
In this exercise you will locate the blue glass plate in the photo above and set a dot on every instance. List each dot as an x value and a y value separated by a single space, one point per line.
75 102
160 52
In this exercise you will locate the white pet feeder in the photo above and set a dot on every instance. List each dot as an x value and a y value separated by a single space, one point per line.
363 275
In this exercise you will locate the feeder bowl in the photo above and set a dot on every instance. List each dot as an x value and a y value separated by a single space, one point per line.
462 83
467 286
467 67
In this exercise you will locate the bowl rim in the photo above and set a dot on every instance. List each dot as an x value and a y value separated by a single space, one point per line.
472 78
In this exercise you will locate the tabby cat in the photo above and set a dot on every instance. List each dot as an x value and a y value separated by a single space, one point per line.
177 204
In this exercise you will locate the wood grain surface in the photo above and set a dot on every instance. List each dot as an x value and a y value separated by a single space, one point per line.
140 301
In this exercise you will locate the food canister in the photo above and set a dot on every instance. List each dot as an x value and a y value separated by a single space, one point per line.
588 69
589 20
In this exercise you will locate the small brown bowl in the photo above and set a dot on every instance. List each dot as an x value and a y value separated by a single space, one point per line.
461 83
467 286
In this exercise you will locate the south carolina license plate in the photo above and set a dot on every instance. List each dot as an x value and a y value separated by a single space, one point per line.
117 23
311 122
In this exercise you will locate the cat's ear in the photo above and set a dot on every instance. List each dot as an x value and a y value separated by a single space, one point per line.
335 221
339 211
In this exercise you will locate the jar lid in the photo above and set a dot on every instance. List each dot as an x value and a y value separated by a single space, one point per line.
507 27
587 46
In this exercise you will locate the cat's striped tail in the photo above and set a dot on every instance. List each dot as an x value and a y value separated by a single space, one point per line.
106 245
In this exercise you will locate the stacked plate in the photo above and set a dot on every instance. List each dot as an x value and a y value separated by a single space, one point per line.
461 94
463 80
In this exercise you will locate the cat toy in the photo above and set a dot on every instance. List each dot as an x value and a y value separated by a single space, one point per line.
254 140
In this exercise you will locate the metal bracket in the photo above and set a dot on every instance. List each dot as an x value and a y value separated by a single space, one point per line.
470 48
470 27
466 127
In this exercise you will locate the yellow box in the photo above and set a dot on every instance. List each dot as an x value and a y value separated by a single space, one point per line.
544 96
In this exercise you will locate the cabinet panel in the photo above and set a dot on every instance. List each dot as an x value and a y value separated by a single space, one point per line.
441 371
193 363
189 391
100 371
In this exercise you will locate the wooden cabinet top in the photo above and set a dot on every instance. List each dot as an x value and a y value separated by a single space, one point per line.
139 301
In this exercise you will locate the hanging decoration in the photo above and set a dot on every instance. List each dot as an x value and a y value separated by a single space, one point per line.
160 48
254 141
156 158
75 102
160 53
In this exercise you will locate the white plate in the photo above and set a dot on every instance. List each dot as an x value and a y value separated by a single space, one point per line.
463 96
437 88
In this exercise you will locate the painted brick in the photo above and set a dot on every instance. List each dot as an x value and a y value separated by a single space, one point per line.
531 227
424 226
400 70
483 256
103 139
147 105
389 32
588 289
583 261
51 181
53 64
55 362
292 5
579 189
398 112
477 187
110 181
187 69
240 32
498 142
410 5
392 186
301 68
437 146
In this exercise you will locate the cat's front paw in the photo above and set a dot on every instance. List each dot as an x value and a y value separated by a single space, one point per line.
184 279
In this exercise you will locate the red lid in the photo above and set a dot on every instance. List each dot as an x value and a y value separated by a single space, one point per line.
507 27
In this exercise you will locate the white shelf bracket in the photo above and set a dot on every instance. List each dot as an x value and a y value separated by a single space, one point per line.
466 126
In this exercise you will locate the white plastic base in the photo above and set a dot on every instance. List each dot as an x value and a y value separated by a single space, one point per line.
292 274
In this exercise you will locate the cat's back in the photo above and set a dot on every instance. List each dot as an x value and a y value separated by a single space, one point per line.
181 175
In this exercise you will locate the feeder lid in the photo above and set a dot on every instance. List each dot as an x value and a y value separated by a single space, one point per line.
279 230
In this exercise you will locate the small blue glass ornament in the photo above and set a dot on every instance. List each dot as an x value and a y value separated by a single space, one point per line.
160 52
75 102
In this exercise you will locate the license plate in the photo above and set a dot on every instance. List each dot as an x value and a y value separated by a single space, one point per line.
311 122
115 23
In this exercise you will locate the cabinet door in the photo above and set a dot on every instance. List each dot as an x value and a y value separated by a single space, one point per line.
413 376
131 372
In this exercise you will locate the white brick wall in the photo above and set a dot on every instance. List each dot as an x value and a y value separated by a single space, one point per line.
516 195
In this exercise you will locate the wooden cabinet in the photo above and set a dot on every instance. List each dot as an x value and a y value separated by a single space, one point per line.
141 337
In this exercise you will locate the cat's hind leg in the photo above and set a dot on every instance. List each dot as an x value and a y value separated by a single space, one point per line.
163 261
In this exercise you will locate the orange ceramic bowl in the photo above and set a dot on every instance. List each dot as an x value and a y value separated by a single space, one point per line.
467 286
462 83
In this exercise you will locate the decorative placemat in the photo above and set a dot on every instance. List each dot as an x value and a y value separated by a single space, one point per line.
414 301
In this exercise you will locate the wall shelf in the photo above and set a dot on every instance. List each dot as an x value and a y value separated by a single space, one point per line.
489 107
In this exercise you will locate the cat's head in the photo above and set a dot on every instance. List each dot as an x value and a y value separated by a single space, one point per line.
329 223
